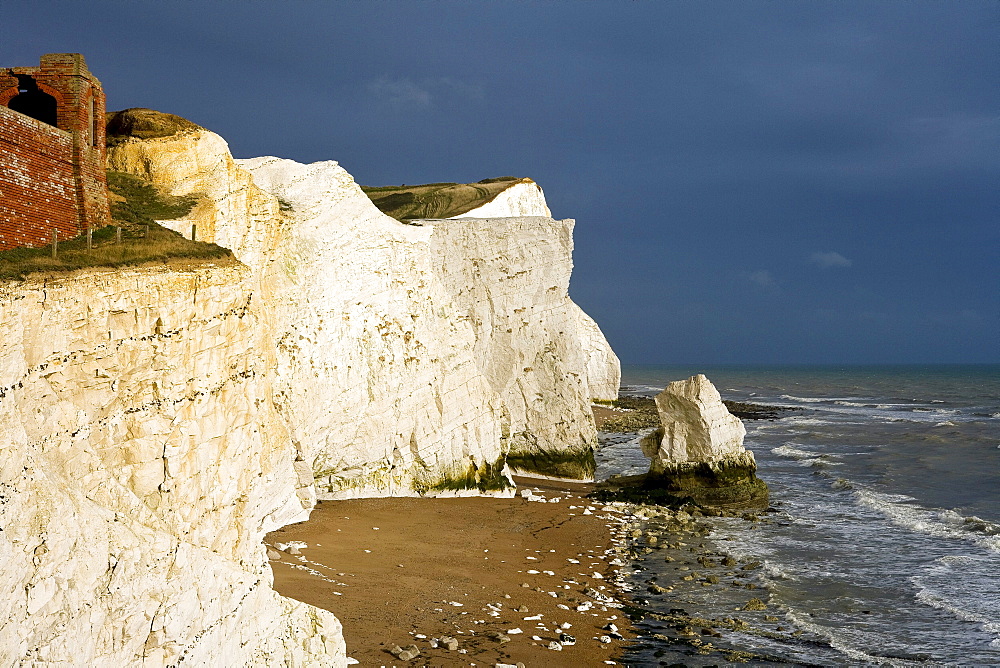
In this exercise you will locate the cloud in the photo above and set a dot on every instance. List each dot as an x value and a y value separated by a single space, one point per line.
830 259
400 92
762 278
423 93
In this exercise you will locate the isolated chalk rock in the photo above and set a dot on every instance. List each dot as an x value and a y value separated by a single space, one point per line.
697 426
698 451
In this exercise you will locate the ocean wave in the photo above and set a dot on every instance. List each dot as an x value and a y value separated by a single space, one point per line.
836 639
819 400
789 450
935 522
804 457
777 572
810 422
935 601
842 483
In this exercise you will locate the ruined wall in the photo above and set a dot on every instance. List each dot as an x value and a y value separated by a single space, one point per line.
37 186
38 160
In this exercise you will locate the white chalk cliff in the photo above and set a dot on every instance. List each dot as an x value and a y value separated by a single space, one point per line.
697 426
142 462
158 421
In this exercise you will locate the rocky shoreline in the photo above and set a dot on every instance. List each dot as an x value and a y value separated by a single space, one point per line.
691 602
673 553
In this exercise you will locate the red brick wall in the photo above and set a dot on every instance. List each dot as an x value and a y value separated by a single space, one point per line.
34 156
37 182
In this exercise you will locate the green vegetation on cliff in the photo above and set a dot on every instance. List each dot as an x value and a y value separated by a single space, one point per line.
135 205
142 123
574 464
485 478
437 200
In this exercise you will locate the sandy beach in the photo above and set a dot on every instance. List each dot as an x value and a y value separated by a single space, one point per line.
510 580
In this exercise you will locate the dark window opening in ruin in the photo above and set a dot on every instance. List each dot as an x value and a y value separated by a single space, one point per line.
33 102
93 123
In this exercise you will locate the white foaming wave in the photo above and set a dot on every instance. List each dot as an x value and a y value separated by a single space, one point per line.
641 389
789 450
805 400
810 422
804 457
778 572
929 597
836 400
855 404
934 522
836 640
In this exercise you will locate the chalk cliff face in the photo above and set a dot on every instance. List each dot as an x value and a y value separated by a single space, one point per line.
158 421
412 358
142 461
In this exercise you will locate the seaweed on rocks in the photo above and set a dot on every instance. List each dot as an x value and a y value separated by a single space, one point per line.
575 464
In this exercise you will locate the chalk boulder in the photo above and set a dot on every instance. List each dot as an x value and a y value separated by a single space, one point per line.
697 426
698 452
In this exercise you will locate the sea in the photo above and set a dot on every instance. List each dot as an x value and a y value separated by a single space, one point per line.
882 544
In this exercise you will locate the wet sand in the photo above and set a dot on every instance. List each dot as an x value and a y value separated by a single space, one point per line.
402 571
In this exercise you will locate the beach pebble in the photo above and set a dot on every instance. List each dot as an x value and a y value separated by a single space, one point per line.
514 631
555 646
498 637
566 639
448 643
273 555
605 639
533 618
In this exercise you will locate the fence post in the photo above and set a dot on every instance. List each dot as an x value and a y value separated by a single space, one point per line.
193 230
118 235
55 244
90 238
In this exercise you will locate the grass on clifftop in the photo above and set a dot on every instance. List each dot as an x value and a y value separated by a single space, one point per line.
135 206
142 123
437 200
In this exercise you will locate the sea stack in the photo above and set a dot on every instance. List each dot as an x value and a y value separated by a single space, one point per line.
698 452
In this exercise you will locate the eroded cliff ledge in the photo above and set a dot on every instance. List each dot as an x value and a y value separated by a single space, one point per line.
160 420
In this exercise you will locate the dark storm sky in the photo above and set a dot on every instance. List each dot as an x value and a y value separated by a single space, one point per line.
802 182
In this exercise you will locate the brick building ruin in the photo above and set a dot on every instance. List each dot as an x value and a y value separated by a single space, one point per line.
52 152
